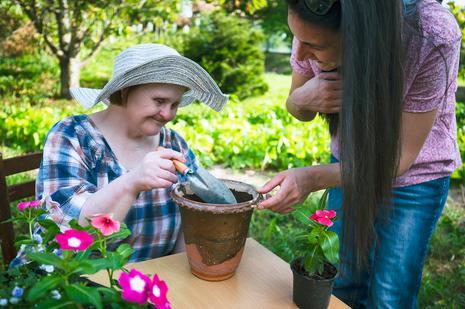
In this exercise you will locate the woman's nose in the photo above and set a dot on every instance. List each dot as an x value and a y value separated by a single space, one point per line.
303 53
167 112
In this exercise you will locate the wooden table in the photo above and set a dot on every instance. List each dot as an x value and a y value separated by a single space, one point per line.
262 280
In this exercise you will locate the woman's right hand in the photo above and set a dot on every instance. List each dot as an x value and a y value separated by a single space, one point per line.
155 171
321 94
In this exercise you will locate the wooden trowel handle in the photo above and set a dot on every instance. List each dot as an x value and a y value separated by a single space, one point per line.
180 167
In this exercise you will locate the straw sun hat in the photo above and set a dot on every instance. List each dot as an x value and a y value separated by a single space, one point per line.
155 63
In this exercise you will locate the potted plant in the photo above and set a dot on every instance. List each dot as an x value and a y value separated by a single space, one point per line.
53 270
314 269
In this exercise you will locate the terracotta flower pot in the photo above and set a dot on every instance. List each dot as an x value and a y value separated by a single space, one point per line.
309 292
215 234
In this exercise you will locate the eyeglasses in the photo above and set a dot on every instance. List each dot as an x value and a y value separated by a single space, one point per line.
319 7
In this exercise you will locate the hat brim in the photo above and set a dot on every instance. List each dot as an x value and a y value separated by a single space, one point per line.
171 69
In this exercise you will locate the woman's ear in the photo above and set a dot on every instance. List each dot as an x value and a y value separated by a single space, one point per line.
124 96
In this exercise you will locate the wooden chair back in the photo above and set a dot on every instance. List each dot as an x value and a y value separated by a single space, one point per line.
14 193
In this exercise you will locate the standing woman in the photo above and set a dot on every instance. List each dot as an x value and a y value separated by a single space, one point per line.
383 73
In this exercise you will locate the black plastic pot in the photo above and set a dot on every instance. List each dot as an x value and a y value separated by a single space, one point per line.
310 293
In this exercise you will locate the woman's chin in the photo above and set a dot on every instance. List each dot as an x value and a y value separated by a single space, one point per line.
327 67
154 130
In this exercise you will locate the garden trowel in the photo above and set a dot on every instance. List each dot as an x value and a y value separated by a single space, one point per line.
205 185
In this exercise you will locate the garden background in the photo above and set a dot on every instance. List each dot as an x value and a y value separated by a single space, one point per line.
245 45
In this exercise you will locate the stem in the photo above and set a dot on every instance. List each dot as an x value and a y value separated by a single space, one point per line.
66 256
103 249
29 220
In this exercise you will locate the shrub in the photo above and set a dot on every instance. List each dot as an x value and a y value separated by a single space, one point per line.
229 48
31 78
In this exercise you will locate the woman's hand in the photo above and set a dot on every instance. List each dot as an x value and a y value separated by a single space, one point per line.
295 185
155 171
321 94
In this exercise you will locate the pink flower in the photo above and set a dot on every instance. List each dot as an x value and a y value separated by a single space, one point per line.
34 204
324 217
29 204
135 286
157 293
74 240
105 224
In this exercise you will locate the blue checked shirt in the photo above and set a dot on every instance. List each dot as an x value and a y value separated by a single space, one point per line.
78 162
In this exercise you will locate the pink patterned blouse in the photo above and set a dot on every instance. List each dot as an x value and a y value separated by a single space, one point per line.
427 77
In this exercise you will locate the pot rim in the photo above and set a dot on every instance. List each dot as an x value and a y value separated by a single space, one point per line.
296 272
177 194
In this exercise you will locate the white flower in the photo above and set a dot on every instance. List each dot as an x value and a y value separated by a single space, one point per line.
3 302
47 268
14 300
56 294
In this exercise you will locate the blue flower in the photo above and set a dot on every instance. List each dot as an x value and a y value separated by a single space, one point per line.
3 302
17 292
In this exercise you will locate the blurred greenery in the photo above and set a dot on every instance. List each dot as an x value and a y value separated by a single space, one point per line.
229 49
250 133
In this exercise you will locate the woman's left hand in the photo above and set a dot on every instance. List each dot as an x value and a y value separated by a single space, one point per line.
295 185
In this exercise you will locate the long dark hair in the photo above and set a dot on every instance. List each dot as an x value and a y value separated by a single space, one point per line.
370 116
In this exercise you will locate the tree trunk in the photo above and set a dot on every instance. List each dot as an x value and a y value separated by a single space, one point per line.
70 70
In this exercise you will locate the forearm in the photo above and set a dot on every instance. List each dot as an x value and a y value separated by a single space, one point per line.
115 198
297 110
326 176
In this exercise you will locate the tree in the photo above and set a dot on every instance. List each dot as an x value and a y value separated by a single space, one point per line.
66 26
270 14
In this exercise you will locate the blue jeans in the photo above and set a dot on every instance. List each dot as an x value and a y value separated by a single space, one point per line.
396 260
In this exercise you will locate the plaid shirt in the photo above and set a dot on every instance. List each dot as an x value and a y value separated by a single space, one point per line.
78 162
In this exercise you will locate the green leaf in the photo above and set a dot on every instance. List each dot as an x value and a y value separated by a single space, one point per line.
116 261
322 203
45 258
84 295
48 224
85 267
25 242
330 246
312 260
55 304
121 234
270 229
82 255
125 251
301 215
107 292
99 264
313 237
42 287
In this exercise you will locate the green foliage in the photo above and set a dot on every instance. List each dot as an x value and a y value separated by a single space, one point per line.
459 13
30 78
254 133
24 126
459 174
443 282
229 48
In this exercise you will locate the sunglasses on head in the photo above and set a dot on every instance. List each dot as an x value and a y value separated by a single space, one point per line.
319 7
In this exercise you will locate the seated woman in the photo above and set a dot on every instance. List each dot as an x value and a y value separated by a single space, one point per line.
108 162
